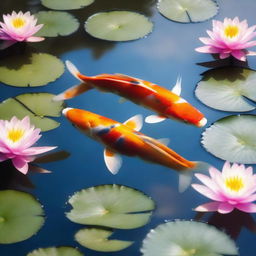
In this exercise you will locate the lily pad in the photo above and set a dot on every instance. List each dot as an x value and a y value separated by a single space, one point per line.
232 138
56 251
228 89
118 25
56 23
21 216
186 11
97 240
66 4
187 238
112 206
38 106
36 69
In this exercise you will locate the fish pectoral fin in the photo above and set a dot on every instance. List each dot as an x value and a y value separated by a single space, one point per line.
164 141
135 122
122 100
72 92
177 87
152 119
185 179
113 161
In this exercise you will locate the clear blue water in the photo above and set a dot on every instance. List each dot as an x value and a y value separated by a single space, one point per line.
167 52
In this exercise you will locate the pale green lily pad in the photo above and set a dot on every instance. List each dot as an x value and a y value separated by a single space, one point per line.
227 89
112 206
21 216
38 106
188 10
118 25
187 238
97 240
36 69
232 138
56 251
56 23
66 4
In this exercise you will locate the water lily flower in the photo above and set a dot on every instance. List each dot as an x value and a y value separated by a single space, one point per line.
232 188
230 37
16 140
18 27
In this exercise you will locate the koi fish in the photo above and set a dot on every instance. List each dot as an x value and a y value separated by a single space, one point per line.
126 139
167 104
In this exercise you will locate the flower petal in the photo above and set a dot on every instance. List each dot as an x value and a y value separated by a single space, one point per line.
206 192
225 208
20 164
246 207
208 207
37 150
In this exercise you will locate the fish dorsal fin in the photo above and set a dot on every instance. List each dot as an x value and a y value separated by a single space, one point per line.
73 69
177 87
135 122
152 119
164 141
113 161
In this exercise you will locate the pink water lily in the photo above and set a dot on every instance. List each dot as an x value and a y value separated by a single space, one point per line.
16 140
18 27
230 37
232 188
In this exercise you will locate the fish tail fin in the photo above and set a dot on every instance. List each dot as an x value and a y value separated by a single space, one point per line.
73 70
72 92
185 177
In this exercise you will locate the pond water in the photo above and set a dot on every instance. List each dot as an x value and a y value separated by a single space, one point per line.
160 57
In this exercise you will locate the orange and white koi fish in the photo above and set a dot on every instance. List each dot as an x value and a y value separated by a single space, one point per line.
167 104
126 139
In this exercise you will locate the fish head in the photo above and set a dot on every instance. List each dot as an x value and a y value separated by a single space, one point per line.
81 119
184 111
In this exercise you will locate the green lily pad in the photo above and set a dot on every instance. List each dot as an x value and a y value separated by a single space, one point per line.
112 206
232 138
56 251
97 240
36 69
56 23
21 216
66 4
187 238
227 89
38 106
188 10
118 25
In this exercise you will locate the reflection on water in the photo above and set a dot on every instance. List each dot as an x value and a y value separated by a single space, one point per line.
231 223
80 39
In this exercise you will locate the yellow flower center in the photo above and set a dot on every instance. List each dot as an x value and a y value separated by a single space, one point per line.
15 135
231 31
18 22
234 183
189 252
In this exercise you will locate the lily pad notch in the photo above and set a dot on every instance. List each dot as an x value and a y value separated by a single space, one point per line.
187 11
38 106
228 89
